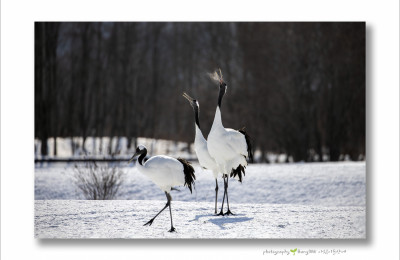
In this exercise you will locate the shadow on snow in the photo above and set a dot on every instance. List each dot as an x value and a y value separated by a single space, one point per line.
221 221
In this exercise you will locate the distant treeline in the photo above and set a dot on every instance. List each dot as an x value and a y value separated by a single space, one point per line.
298 88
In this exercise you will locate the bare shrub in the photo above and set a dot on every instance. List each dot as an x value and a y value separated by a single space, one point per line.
98 182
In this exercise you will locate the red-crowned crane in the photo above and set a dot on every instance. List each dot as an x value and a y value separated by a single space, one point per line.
166 172
229 148
200 146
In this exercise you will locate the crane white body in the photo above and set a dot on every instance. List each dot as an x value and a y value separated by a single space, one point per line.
166 172
227 146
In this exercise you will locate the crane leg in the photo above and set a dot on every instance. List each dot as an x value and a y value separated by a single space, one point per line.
227 200
170 211
166 205
216 195
221 213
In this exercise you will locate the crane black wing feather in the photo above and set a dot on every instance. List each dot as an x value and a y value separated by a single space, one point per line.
189 173
248 142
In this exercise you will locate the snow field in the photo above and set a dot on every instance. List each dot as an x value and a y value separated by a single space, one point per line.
309 200
125 219
325 184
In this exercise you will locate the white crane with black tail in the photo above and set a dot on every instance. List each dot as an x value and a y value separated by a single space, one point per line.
230 148
200 146
166 172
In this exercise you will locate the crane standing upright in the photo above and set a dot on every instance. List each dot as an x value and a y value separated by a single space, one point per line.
230 148
200 146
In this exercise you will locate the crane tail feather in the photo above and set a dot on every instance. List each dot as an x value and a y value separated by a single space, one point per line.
188 170
238 172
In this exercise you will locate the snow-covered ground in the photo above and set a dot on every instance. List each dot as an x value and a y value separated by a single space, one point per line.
125 219
306 200
325 184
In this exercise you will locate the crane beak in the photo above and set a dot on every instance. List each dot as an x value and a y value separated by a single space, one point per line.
133 157
190 99
187 96
221 79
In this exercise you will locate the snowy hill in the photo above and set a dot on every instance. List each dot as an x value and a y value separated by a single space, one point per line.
125 219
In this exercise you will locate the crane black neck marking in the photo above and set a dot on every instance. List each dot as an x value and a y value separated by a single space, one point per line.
141 157
196 116
222 89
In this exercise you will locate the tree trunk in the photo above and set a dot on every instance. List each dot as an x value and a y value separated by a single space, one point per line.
55 146
334 153
44 149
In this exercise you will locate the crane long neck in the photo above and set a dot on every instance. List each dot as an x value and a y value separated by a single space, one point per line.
196 116
142 156
217 118
221 95
199 134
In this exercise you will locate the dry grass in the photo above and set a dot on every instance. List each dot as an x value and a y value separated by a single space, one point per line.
98 182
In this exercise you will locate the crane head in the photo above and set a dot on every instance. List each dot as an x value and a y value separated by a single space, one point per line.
220 79
139 150
193 102
223 86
